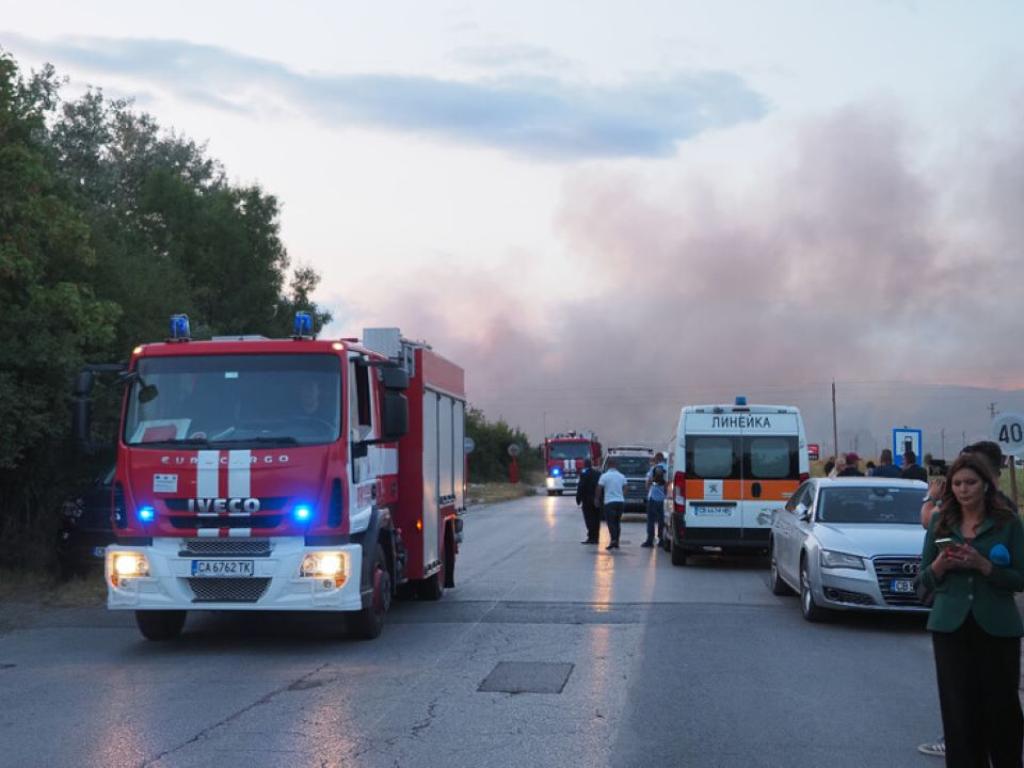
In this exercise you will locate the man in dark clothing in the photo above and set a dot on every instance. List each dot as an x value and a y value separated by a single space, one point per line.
851 469
911 469
885 467
585 492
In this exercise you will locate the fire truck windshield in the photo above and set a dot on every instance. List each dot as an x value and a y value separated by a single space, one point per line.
574 450
241 400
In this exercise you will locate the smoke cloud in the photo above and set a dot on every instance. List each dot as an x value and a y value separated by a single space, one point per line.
847 258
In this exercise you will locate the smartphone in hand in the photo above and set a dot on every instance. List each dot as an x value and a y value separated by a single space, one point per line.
943 544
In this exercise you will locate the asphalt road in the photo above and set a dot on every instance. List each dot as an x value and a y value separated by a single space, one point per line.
548 653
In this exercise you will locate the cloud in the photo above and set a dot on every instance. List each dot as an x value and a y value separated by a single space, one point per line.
539 116
847 258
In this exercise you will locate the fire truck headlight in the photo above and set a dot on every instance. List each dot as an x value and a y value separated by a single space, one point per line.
326 565
127 565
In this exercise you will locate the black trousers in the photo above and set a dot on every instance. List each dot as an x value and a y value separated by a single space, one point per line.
592 519
613 516
978 676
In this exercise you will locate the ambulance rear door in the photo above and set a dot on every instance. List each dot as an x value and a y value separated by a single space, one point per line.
771 469
714 477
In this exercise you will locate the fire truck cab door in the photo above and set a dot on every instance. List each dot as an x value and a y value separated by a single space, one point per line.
361 427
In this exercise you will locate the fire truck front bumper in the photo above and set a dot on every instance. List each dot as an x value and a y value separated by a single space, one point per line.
282 575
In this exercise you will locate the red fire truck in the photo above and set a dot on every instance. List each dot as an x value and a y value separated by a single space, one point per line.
283 475
563 459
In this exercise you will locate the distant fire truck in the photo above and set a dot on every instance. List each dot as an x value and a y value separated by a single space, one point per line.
564 454
282 475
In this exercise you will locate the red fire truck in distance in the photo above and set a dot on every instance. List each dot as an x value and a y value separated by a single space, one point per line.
283 475
563 459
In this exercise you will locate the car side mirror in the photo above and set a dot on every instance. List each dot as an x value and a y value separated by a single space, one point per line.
803 512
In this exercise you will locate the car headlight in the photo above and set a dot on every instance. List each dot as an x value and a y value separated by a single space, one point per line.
832 559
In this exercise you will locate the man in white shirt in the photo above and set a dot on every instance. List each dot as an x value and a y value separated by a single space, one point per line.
610 494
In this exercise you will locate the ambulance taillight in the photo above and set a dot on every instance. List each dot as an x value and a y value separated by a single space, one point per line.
679 492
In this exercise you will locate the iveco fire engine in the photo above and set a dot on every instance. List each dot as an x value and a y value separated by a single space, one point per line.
564 454
283 475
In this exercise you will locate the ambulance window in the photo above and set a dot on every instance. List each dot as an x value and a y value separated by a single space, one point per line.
772 458
713 457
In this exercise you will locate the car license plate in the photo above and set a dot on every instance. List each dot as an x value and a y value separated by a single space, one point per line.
99 552
903 586
222 568
709 511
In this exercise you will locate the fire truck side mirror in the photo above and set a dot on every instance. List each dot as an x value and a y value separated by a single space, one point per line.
394 416
81 411
394 378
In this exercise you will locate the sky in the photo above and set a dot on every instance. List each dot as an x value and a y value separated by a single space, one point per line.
607 210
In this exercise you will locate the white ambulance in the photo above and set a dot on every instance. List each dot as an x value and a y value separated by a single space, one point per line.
731 467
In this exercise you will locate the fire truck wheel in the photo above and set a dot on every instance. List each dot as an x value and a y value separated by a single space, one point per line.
432 588
160 625
369 622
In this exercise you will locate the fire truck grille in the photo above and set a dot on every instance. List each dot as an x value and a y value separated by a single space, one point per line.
183 523
228 590
226 547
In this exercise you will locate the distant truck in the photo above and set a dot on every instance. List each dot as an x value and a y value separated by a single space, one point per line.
564 454
634 462
293 474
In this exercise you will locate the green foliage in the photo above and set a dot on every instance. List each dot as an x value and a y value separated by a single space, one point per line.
108 225
489 461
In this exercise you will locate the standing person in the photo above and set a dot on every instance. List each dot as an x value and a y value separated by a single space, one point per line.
611 497
992 454
911 469
885 466
839 466
973 562
586 492
656 477
850 466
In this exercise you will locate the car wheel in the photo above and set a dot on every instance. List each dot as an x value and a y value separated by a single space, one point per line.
678 555
160 625
810 610
778 586
369 622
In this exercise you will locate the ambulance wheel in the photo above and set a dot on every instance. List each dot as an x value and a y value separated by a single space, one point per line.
678 555
160 625
369 622
551 493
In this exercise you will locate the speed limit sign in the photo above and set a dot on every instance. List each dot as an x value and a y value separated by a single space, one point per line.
1008 431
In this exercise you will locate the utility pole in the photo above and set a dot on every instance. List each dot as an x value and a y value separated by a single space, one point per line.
835 426
992 410
942 437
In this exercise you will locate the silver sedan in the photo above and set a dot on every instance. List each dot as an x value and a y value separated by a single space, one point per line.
851 543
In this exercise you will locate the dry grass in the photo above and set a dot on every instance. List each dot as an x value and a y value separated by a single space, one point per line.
491 493
45 589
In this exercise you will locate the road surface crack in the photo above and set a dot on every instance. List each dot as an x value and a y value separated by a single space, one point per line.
291 685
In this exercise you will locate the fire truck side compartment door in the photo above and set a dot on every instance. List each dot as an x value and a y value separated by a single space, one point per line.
430 473
459 439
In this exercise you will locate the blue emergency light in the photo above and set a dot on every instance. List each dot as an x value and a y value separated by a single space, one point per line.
180 330
147 514
555 471
741 400
303 324
302 513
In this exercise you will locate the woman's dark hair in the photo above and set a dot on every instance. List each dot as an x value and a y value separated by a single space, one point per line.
995 504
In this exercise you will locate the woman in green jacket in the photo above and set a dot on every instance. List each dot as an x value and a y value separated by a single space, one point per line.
973 560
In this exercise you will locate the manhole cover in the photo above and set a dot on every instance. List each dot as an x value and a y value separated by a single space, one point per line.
527 677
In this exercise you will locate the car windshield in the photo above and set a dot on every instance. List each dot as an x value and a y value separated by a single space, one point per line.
234 401
632 466
870 504
575 450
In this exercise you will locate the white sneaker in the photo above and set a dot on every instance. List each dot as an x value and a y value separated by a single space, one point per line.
936 748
